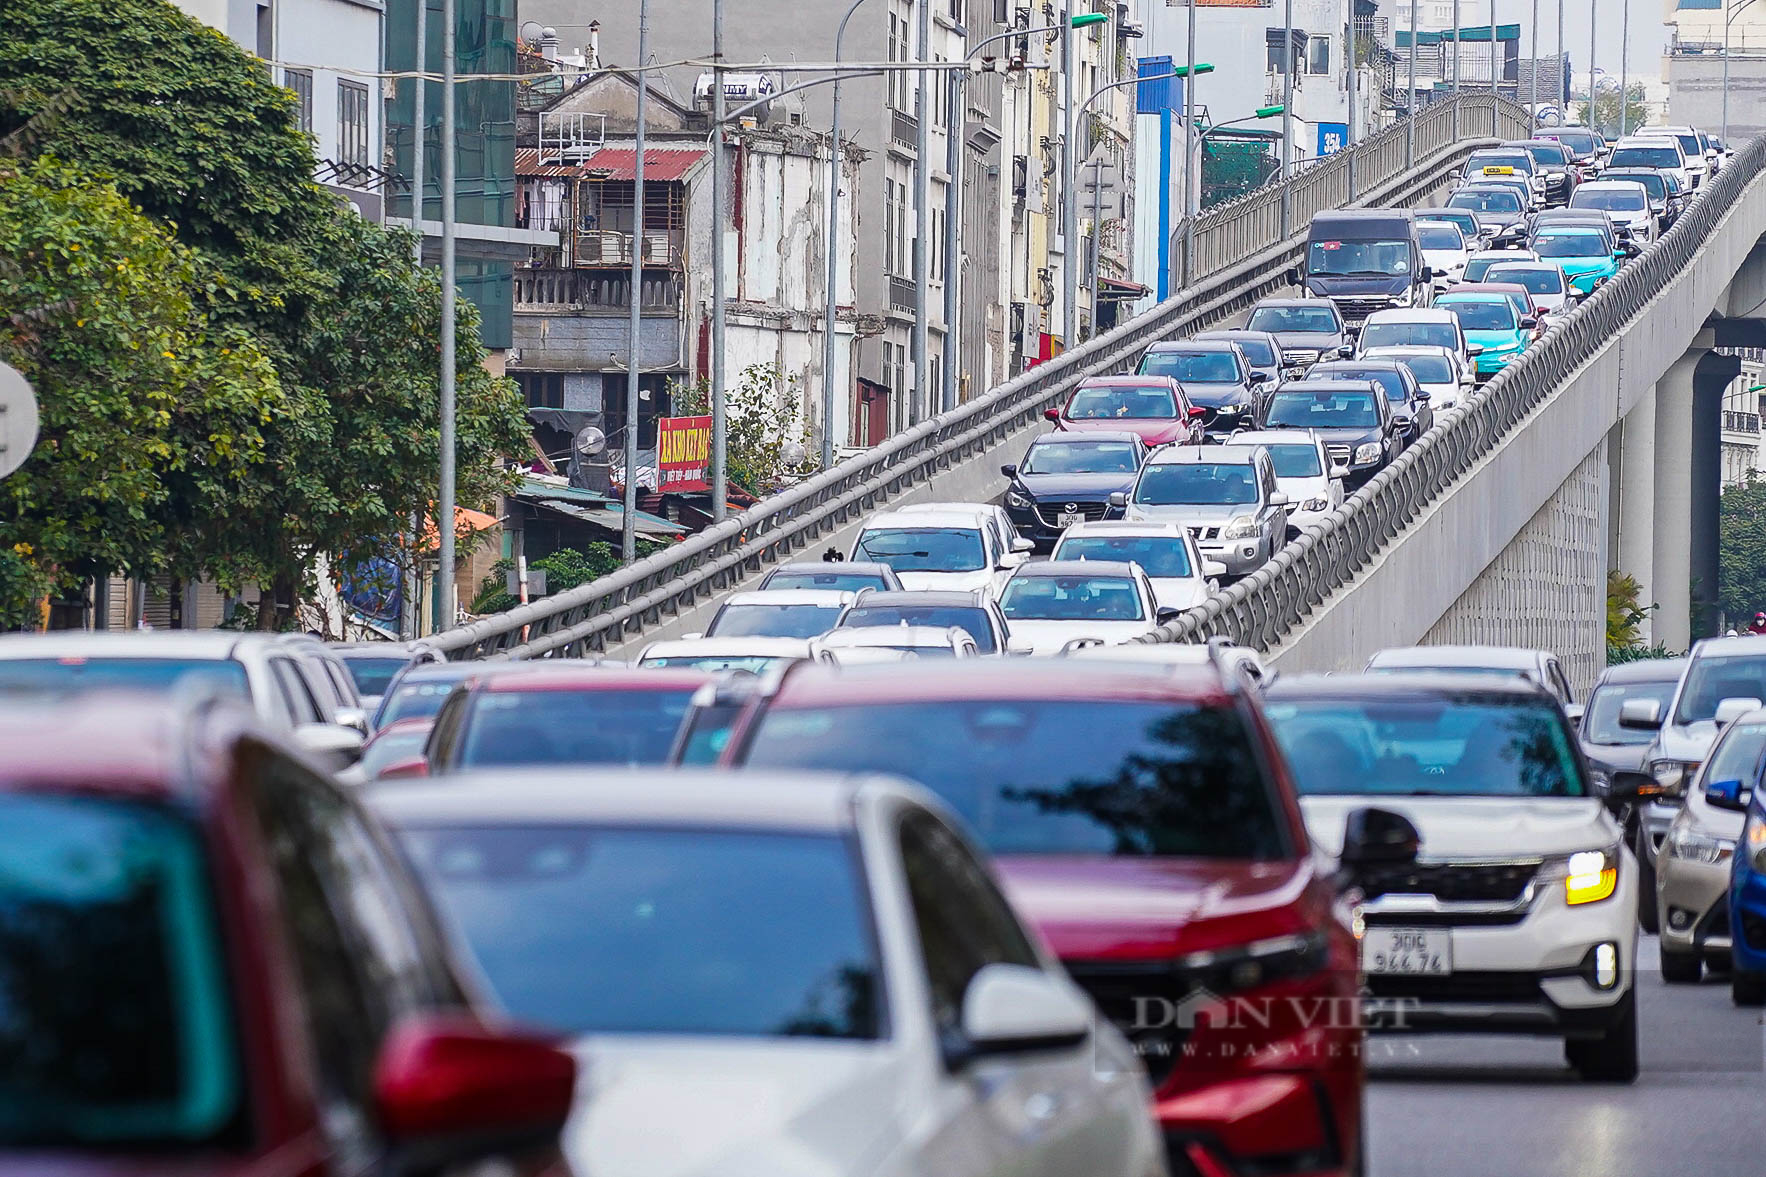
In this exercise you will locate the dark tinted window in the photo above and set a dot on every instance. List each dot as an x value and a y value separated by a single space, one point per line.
374 675
415 699
1197 367
1256 350
1388 380
1320 320
773 621
1332 410
390 747
1537 279
298 697
571 727
1204 483
61 675
1055 777
1601 725
1440 236
1081 457
592 930
1493 315
1645 157
1569 245
116 1024
1429 369
1295 461
972 621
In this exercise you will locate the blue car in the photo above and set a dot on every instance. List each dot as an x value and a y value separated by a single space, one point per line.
1068 478
1747 903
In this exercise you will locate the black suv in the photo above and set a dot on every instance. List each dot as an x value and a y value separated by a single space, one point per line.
1410 404
1217 375
1352 417
1068 478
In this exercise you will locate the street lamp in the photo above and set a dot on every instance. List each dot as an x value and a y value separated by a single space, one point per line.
832 308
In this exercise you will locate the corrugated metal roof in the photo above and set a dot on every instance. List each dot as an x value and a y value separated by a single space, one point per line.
528 163
660 163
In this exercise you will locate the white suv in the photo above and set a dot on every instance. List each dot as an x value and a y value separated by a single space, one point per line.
1499 896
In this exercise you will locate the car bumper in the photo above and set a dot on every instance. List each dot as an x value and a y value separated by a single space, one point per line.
1490 364
1653 821
1241 556
1747 914
1301 520
1295 1125
1693 900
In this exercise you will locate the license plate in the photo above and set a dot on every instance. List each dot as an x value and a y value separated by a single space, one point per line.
1416 952
1068 519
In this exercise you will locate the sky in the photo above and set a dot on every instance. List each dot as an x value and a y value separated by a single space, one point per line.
1648 35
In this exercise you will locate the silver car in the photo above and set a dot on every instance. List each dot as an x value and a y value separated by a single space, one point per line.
1227 495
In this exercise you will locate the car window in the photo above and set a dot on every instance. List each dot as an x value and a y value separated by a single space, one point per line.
414 698
1569 245
1737 755
1411 334
833 581
373 675
1610 199
1158 555
1195 367
1294 460
1256 350
1199 483
1429 369
1072 598
1081 457
534 727
1492 315
1537 279
1559 683
972 620
1314 320
1322 410
924 549
295 693
1710 680
1440 236
1601 725
1148 402
757 620
1486 201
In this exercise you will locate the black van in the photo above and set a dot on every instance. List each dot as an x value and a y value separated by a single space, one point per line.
1365 260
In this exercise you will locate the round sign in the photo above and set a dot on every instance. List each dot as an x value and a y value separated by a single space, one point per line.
18 420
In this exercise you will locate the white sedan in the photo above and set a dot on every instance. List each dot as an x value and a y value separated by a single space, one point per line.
1445 251
1441 372
1056 603
1303 472
808 976
1181 576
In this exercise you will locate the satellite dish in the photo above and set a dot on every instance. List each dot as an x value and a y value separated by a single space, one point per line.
792 453
590 441
18 420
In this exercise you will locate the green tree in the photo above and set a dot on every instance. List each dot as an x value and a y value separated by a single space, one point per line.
565 569
768 439
1741 558
1606 112
153 416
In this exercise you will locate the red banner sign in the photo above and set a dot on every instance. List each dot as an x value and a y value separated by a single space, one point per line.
683 453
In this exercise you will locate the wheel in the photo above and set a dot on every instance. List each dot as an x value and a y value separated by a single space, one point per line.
1680 968
1747 987
1648 918
1611 1058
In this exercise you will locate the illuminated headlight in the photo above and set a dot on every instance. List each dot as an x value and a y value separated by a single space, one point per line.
1017 498
1754 838
1229 410
1672 775
1367 452
1690 844
1606 965
1244 527
1321 503
1589 875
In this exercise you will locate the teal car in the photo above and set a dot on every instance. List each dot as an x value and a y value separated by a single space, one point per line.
1491 322
1584 254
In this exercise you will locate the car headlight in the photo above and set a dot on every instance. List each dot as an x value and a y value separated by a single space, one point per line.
1229 410
1017 498
1244 527
1589 875
1754 840
1321 503
1672 775
1404 297
1693 845
1367 452
1230 970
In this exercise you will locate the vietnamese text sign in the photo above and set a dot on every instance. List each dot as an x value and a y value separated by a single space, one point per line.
683 453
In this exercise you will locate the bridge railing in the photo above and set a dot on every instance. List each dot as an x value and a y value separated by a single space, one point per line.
1267 606
1250 259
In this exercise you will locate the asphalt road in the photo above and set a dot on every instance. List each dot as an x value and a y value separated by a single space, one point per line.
1509 1107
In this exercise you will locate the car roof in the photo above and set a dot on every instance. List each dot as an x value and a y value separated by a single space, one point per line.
1494 657
1090 436
1295 302
1644 670
1595 185
193 644
1405 686
1336 384
715 647
779 597
835 566
1474 292
1123 381
1224 455
1232 333
1253 437
1194 344
982 679
925 598
1379 363
1053 568
934 636
1720 647
541 677
1486 288
898 518
119 743
1126 527
1412 315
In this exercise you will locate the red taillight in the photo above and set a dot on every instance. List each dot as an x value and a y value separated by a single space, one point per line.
1203 1161
455 1077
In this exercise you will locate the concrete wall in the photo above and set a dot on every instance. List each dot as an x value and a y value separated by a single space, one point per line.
1696 90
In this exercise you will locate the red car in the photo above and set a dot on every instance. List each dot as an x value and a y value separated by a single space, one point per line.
1155 407
215 964
1145 822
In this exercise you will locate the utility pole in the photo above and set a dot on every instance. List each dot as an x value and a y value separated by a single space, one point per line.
720 426
1725 131
1624 67
1191 181
1535 111
417 113
628 536
1288 115
1593 31
1069 206
444 511
1562 97
1409 96
922 225
832 308
1097 236
953 216
1456 57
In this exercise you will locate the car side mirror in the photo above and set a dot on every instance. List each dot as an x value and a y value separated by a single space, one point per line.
1259 378
1297 276
1009 470
1165 614
1213 569
1339 472
1051 414
1574 713
1374 842
1015 1009
1197 412
1632 786
1731 709
1528 322
331 744
1346 351
450 1090
1022 546
1278 499
1019 648
1474 349
1730 795
1119 498
1640 715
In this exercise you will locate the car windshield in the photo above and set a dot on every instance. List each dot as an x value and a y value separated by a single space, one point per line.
1409 334
1257 350
1581 142
116 1028
1690 145
1303 320
1322 410
1645 157
1386 259
1145 403
1481 315
374 675
760 620
1196 484
1440 236
1737 755
1601 726
571 727
1537 279
751 663
1072 598
1520 161
1547 153
1398 745
1478 268
1126 779
1293 460
1158 555
1610 200
1710 680
390 747
416 698
1653 182
924 549
830 580
972 620
1193 367
1428 369
74 674
1389 382
588 929
1569 245
1486 200
1081 457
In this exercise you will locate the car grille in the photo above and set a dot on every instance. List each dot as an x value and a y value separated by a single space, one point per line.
1302 356
1357 309
1339 454
1204 533
1120 991
1460 882
1051 511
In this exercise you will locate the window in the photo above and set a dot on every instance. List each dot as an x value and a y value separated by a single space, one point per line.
299 700
654 401
543 390
352 123
1318 55
889 215
301 82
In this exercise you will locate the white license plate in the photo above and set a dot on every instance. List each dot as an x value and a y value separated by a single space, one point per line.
1069 518
1417 952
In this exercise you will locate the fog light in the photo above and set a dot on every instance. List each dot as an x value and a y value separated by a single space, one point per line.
1679 918
1250 553
1606 965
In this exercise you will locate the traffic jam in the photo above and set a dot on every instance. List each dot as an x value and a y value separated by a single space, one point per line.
925 856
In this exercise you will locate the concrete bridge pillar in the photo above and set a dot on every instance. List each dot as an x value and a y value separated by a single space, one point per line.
1671 580
1635 484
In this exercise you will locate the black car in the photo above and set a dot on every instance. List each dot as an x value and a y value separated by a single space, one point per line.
1352 417
1262 350
975 613
1309 329
1556 163
1410 404
1068 478
1218 377
1500 211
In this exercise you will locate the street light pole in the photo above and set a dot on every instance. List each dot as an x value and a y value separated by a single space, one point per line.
628 535
1191 182
444 511
1409 97
832 308
1069 209
1562 98
1535 71
1593 32
1456 57
720 425
1288 114
1725 132
417 114
922 223
953 213
1624 67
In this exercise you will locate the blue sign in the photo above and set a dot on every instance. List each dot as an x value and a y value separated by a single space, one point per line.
1332 137
1161 92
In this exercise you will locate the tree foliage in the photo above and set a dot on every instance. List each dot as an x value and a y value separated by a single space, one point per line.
769 439
1741 551
1606 112
565 569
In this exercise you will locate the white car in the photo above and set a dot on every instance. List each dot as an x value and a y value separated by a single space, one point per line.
755 655
1662 153
1547 288
1499 894
1699 159
1423 327
959 546
777 975
1051 604
1445 250
1219 654
1303 472
1478 267
1626 202
919 641
789 613
1181 576
1439 371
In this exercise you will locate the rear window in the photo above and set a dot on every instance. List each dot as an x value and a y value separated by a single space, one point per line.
418 698
1601 726
1072 598
972 621
65 675
374 675
833 581
116 1025
1196 367
571 727
1332 410
1158 555
1256 350
1645 157
773 621
1428 369
1440 235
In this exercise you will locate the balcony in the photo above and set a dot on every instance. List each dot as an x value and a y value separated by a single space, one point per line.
901 293
904 129
1741 422
662 247
580 292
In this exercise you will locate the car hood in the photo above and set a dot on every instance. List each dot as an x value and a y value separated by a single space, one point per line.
703 1107
1212 396
1047 637
1360 284
1498 219
1094 486
1349 435
1095 907
1616 757
1308 341
1154 431
1585 265
966 582
1179 592
1474 827
1691 742
1496 340
1194 514
1299 490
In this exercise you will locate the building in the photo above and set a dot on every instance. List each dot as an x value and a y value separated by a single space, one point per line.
1704 88
1744 442
1697 26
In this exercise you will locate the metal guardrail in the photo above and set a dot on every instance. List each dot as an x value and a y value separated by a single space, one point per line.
607 611
1265 607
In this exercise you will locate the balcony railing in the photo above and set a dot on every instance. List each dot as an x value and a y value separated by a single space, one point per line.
564 291
901 293
904 129
1741 422
662 247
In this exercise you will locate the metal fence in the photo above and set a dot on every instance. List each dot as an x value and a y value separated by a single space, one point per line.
614 608
1264 608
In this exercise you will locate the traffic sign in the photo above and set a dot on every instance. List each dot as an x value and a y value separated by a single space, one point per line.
18 420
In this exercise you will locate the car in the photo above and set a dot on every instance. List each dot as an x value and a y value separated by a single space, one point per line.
557 715
976 613
1518 296
1439 371
1665 197
1155 407
1583 252
1492 324
752 655
770 972
1627 202
1692 147
373 666
1474 233
1309 329
1554 169
289 689
1548 290
1227 495
1693 870
1141 819
1481 263
1352 417
1238 662
920 641
418 692
992 518
1364 260
1304 472
964 549
1506 162
1501 213
1523 190
1446 251
1506 903
1423 327
1611 747
1584 144
1166 552
1217 377
1261 349
218 963
332 684
1053 602
1068 478
396 743
1536 666
1664 155
841 576
1410 404
782 613
1746 903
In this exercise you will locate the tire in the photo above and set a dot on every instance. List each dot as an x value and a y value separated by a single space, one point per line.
1648 917
1746 987
1611 1058
1680 968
